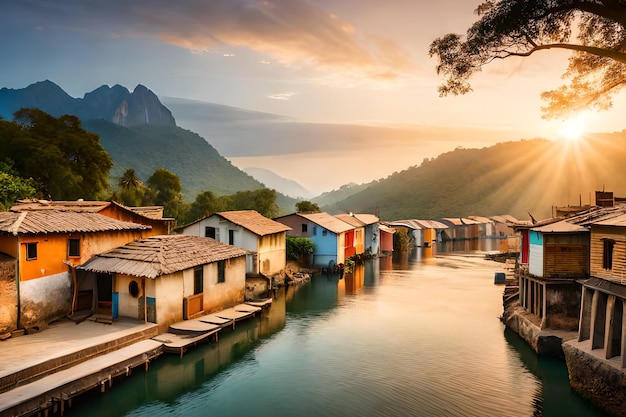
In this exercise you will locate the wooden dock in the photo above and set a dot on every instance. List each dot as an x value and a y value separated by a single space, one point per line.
56 390
188 333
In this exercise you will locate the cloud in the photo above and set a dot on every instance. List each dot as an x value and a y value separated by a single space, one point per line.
295 33
282 96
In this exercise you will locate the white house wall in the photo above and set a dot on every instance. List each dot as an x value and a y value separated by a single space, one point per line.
128 306
45 299
535 260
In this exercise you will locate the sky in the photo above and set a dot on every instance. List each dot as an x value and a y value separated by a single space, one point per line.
322 61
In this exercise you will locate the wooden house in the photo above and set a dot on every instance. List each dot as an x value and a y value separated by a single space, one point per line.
604 293
556 256
265 239
372 234
328 233
461 235
385 233
356 236
39 251
147 215
169 278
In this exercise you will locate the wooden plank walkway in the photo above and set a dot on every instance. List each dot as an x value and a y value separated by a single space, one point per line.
188 333
55 389
180 343
266 303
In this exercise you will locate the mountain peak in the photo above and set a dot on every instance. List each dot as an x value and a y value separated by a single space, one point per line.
115 104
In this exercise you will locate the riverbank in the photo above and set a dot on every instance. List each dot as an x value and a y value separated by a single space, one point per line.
601 381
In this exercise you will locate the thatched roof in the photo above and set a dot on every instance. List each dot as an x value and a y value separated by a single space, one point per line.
55 221
161 255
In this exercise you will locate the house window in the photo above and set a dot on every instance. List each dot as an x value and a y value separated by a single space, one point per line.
607 253
198 280
314 230
324 232
73 247
231 237
212 232
31 251
305 228
221 271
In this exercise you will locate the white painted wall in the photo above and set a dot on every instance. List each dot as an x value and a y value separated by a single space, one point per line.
45 299
535 260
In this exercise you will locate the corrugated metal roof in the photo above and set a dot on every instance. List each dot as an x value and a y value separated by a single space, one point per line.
387 229
410 223
161 255
431 224
254 222
367 218
613 221
560 227
55 221
327 221
351 220
480 219
507 218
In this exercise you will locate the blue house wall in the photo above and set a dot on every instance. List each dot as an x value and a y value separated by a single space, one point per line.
325 246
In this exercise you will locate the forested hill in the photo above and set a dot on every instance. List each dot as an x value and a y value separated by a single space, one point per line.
516 178
149 147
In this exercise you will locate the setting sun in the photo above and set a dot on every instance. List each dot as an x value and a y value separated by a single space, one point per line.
572 129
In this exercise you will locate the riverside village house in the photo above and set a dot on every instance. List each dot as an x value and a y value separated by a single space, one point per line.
329 234
572 295
169 278
40 250
265 239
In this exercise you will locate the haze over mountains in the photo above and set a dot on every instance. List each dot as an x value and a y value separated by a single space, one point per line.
516 177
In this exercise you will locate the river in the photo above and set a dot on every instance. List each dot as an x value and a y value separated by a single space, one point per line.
403 337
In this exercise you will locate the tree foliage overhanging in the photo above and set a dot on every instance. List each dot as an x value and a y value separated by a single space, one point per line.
594 30
55 155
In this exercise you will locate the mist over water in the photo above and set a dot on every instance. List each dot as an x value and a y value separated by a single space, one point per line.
419 337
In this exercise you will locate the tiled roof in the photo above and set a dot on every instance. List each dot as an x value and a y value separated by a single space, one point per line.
161 255
254 221
77 205
151 212
327 222
55 221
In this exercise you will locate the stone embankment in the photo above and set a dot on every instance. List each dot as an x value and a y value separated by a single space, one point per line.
602 381
545 342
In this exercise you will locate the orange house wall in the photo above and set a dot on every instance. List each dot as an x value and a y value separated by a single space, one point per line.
9 245
52 251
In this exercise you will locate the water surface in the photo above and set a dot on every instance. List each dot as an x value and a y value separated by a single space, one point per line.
415 337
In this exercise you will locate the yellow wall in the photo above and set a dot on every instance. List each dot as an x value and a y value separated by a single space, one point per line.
272 253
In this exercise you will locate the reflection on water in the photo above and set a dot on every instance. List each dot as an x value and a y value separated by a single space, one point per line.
402 336
171 377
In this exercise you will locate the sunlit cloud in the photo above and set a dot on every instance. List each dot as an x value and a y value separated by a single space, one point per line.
295 33
282 96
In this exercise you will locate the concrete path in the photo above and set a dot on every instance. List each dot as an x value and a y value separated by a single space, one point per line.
60 339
